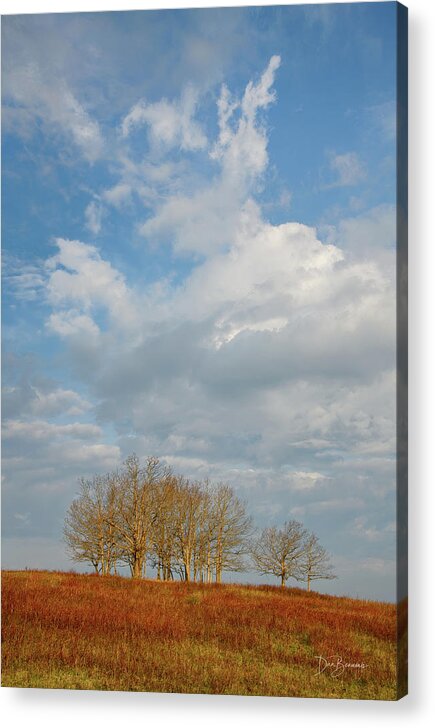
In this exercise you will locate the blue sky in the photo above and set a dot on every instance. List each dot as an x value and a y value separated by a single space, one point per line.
199 263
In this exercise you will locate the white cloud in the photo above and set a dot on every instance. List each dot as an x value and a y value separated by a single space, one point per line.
93 216
369 235
349 169
58 401
306 481
207 220
79 282
242 147
26 282
292 327
42 430
280 346
118 194
270 364
71 323
170 124
51 101
42 461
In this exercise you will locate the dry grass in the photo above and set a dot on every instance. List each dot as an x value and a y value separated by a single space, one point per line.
109 633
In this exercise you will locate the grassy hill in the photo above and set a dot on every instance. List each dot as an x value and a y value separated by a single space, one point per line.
64 630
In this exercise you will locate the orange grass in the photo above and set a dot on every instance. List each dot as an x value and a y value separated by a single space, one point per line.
64 630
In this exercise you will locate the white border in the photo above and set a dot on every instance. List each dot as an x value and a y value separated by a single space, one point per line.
46 708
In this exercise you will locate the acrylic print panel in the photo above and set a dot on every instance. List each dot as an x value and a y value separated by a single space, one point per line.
204 348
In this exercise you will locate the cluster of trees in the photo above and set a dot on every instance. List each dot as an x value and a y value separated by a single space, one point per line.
291 552
143 515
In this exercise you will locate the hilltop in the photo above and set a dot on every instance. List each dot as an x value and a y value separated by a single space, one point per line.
66 630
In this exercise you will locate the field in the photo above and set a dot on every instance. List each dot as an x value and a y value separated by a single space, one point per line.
65 630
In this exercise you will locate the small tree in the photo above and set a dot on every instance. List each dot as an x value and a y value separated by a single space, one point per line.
315 562
279 551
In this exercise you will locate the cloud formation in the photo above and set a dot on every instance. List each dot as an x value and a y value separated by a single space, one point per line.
206 220
32 99
248 348
170 124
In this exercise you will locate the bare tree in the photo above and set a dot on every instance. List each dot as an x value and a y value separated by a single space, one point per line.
233 527
205 536
191 529
189 498
135 505
279 551
162 531
315 562
88 532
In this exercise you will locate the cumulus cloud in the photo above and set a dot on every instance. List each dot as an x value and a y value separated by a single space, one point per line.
71 323
58 401
206 220
269 361
280 346
370 235
279 343
242 145
79 283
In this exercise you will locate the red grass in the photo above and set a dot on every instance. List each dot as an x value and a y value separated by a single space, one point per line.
70 630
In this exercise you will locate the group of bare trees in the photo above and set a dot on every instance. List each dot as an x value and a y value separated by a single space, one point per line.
291 552
140 515
143 515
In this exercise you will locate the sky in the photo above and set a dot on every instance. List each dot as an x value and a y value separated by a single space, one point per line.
199 243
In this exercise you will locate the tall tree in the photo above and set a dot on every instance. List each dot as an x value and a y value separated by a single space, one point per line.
233 527
315 562
135 508
189 498
279 551
204 553
162 550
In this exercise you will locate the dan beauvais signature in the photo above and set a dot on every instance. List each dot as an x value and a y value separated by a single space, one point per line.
335 665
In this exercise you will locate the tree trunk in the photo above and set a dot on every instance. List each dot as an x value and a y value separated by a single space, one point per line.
187 568
137 569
